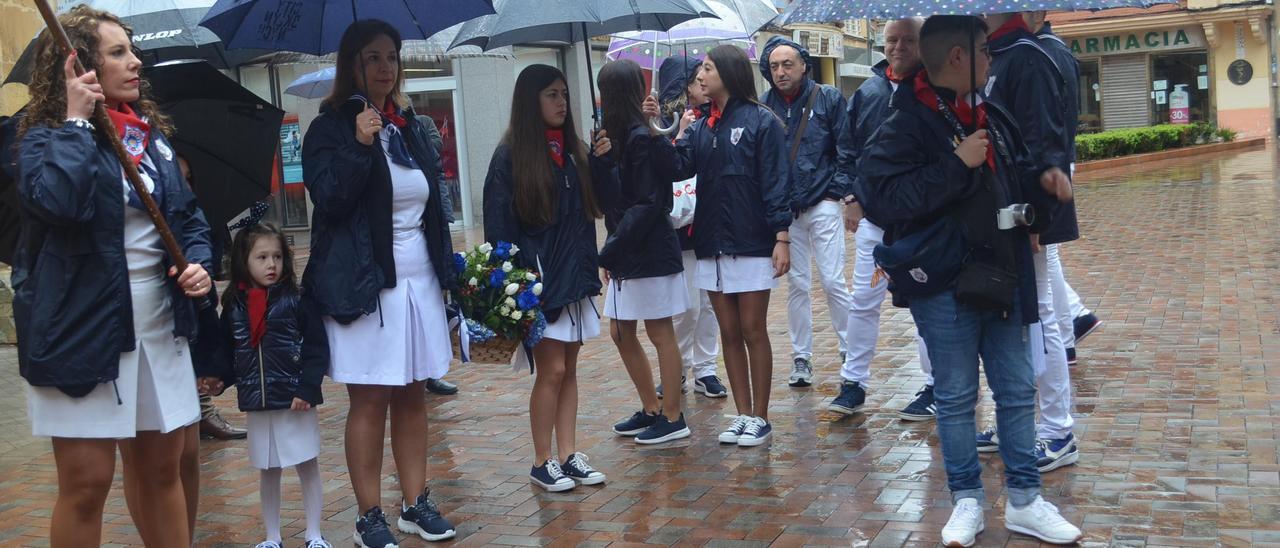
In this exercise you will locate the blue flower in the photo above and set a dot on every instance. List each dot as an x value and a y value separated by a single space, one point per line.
459 263
536 330
526 300
497 279
502 251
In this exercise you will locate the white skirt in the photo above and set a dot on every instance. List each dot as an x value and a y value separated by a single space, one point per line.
647 298
735 274
578 322
154 391
407 339
283 437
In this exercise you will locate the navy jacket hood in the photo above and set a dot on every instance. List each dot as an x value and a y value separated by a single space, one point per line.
773 44
674 76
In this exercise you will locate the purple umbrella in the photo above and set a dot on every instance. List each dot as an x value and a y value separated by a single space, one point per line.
738 20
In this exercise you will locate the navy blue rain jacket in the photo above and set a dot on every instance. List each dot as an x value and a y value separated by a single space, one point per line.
868 108
290 360
350 184
741 165
564 252
913 178
641 242
674 75
71 303
813 175
1026 79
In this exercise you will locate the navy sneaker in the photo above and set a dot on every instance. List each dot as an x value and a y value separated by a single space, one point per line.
710 386
424 519
922 408
988 441
664 431
851 399
639 422
372 531
1054 454
757 432
684 388
577 469
551 477
1071 356
1085 325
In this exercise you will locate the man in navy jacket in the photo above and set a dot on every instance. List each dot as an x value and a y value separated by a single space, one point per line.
815 194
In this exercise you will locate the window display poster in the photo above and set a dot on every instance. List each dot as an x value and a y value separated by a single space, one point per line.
291 149
1161 98
1160 85
1202 82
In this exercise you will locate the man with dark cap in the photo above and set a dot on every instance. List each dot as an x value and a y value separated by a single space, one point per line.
813 114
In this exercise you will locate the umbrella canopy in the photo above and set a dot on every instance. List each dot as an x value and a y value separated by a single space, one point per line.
227 134
835 11
313 85
163 30
569 21
317 26
432 50
738 19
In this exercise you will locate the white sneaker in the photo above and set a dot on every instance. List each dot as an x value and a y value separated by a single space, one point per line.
1041 519
734 431
962 529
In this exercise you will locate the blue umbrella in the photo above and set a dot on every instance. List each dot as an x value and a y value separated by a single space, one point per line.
316 26
313 85
834 11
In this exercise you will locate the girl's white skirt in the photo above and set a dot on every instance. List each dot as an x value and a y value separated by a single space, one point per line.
283 437
647 298
735 274
578 322
155 390
407 340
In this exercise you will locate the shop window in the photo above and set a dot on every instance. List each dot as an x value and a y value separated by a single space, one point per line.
1180 88
1090 95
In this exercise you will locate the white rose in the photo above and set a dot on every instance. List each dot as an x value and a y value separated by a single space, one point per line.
485 248
507 266
515 315
504 311
530 276
473 282
510 302
515 249
537 289
512 289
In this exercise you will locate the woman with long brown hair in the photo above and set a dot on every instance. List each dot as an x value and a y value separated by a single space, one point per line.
103 332
541 194
380 252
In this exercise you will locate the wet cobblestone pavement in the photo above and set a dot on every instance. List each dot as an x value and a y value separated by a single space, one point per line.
1175 416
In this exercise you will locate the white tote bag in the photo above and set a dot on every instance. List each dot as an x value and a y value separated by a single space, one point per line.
685 199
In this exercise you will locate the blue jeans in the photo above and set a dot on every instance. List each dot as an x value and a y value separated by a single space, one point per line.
956 335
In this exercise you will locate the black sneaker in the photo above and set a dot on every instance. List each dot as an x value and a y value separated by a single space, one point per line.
551 477
372 531
639 422
424 519
1085 325
684 387
988 441
663 430
577 469
851 399
922 408
1071 356
710 386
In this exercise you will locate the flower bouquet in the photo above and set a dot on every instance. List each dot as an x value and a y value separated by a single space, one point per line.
498 302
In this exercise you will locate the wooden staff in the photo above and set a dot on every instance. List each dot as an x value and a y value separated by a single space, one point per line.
108 129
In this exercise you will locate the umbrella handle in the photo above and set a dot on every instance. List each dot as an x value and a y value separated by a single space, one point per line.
655 123
108 130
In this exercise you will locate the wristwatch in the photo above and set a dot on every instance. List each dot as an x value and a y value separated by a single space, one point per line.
81 123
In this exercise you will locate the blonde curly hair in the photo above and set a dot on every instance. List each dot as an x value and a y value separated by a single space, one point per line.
48 88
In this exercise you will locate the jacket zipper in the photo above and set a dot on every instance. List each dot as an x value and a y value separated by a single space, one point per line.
262 376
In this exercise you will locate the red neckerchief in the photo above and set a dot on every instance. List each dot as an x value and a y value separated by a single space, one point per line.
715 115
888 73
1014 23
964 113
555 142
390 112
256 299
133 131
791 98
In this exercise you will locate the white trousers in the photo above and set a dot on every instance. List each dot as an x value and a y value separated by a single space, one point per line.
1066 302
1049 359
697 329
864 314
818 233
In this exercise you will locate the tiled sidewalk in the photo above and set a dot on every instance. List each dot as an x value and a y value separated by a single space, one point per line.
1175 416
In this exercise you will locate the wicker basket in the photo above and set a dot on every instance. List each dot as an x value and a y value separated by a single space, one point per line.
494 351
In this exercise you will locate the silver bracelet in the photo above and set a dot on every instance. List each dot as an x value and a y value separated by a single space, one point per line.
81 123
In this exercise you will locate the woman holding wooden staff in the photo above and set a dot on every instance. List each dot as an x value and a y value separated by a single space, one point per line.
103 310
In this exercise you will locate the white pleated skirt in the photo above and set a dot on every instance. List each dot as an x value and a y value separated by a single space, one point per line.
283 437
735 274
154 391
578 322
647 298
407 339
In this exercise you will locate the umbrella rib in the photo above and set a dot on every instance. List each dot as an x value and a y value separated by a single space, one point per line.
415 19
233 167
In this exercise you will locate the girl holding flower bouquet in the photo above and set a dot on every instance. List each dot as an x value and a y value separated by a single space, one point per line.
540 194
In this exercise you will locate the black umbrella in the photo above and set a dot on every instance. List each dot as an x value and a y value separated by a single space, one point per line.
228 135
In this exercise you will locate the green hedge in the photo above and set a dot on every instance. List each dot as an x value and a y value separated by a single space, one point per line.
1123 142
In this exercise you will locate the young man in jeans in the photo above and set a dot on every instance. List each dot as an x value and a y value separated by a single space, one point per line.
944 156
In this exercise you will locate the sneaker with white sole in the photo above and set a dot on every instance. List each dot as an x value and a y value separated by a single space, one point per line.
1054 454
961 531
923 408
318 543
1085 325
579 471
424 519
551 477
1042 520
852 398
988 441
734 431
710 386
757 432
268 544
801 373
664 430
372 531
